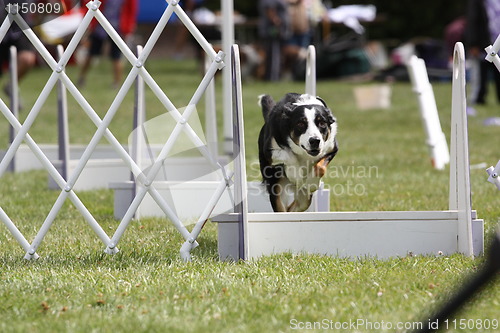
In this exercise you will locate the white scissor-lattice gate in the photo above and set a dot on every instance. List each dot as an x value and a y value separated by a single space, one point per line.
143 178
492 56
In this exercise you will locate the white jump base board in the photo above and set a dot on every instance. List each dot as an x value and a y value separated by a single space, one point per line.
25 159
96 174
101 173
347 234
182 195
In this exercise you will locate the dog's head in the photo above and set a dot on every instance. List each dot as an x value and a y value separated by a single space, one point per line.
311 125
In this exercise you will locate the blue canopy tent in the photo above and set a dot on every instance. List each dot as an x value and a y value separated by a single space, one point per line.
151 11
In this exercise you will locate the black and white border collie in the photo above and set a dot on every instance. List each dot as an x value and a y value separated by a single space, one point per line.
296 144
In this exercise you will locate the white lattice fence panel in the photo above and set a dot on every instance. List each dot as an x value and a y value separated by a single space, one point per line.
144 178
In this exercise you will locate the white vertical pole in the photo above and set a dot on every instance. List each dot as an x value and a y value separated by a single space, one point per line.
311 71
227 8
62 116
138 130
436 140
240 175
460 194
211 115
14 98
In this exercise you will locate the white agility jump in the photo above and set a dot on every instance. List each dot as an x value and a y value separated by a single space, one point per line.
245 235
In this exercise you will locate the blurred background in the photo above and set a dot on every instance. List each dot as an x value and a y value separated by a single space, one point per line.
386 34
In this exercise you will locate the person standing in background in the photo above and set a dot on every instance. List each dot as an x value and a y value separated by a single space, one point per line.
482 28
26 56
274 29
300 24
295 49
122 15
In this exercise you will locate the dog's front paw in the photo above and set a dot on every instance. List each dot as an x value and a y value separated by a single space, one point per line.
319 169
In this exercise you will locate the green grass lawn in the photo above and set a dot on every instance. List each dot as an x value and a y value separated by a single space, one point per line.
75 287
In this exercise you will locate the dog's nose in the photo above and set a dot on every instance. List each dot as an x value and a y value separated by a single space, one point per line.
314 142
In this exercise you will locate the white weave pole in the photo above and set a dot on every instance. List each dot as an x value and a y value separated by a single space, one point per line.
138 123
436 140
14 98
62 122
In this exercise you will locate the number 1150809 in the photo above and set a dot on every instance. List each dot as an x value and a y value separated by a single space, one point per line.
35 8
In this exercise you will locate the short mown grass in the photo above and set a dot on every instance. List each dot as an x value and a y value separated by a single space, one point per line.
75 287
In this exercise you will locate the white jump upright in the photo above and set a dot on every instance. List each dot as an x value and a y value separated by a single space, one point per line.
436 140
238 230
144 178
460 193
311 71
383 234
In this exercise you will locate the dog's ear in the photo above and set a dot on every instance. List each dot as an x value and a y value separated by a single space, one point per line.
322 101
330 118
266 102
288 109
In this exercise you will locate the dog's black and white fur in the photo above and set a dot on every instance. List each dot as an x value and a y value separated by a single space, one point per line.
296 143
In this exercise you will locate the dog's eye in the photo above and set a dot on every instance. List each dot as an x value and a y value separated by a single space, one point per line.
322 124
301 124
